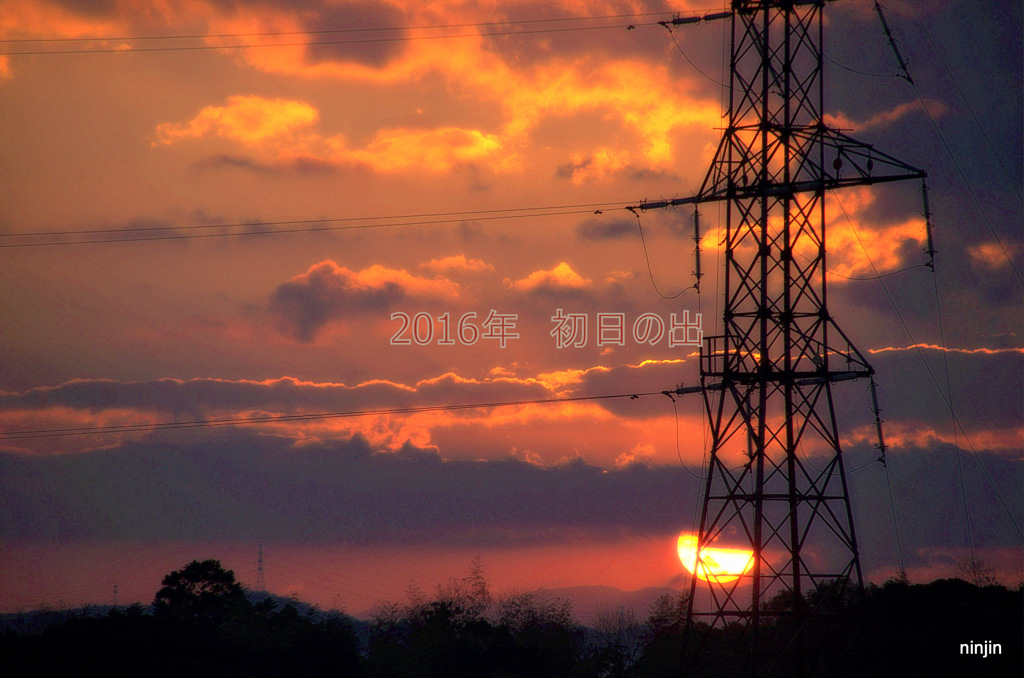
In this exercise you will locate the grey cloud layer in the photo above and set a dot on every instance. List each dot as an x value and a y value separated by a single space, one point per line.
199 396
237 485
232 485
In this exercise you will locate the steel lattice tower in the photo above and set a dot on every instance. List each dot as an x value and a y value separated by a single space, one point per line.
767 380
261 582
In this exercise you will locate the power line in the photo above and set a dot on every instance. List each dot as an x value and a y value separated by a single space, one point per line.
359 41
697 68
956 85
942 395
237 421
952 415
942 139
305 226
877 276
858 72
328 31
968 186
647 258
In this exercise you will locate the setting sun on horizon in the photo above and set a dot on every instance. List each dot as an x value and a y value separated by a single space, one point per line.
713 564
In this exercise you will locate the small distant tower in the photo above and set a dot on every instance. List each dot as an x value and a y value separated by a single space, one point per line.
261 583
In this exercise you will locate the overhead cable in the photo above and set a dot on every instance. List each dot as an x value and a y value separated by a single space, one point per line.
288 418
255 228
355 41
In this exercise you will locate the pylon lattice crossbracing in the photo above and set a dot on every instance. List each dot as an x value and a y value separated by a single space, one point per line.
767 379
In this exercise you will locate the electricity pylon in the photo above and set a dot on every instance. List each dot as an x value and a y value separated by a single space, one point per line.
767 380
261 582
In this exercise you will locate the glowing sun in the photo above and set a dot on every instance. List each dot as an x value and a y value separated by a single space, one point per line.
716 565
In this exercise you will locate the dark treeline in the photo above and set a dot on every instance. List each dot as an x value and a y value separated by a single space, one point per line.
202 623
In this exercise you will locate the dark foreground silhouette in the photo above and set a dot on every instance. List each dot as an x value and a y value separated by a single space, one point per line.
202 623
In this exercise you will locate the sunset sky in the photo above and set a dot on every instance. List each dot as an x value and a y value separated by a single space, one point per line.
451 158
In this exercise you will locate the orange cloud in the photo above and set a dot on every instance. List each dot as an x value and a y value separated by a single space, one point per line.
377 276
854 245
552 434
933 347
61 417
849 254
910 435
641 453
885 118
250 120
559 277
326 293
31 18
434 150
603 164
280 131
989 255
557 381
633 92
641 431
638 95
459 262
22 19
644 99
544 427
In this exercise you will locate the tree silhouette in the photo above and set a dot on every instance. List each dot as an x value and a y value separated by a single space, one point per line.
202 592
464 632
667 615
665 623
895 630
619 640
977 572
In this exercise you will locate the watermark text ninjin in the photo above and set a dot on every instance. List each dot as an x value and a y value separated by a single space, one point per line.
982 649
